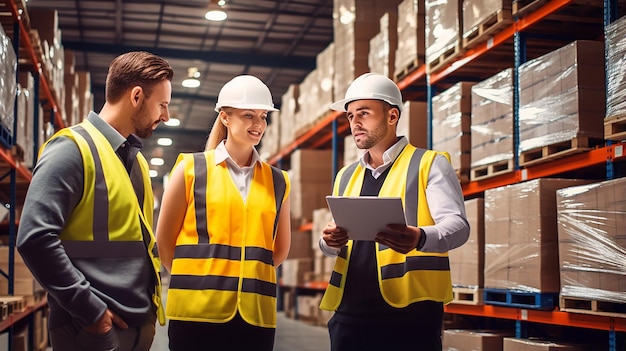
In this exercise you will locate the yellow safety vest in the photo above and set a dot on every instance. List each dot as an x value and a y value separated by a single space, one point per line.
223 261
108 219
403 279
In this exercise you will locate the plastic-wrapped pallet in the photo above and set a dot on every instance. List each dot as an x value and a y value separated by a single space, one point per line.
382 55
411 50
615 122
467 262
288 110
8 87
355 22
413 123
592 246
562 97
442 32
521 250
451 126
518 344
492 123
483 18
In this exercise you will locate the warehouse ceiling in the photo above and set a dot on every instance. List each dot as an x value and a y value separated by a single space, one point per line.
275 40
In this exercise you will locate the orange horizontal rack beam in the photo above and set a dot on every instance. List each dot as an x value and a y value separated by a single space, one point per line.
31 52
306 227
499 38
305 137
6 156
412 77
569 163
537 316
17 316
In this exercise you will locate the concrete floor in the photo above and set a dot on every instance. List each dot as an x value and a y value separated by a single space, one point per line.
291 335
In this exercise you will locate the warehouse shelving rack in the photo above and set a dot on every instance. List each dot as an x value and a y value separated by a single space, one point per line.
13 167
418 82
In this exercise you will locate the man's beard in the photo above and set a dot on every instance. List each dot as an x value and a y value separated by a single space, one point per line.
372 138
142 129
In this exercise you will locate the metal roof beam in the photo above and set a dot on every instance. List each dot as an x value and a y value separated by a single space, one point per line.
223 57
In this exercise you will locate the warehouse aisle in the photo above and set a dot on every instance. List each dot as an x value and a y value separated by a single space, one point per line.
291 335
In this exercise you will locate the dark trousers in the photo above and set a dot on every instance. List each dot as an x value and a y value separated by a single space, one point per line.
233 335
381 335
72 337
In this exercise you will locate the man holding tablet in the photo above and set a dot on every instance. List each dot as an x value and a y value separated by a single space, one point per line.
388 293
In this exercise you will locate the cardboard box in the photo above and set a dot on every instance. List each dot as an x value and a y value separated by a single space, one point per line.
467 262
515 344
521 247
294 271
475 340
300 244
411 51
413 123
592 240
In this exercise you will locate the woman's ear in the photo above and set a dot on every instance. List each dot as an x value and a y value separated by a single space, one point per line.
224 118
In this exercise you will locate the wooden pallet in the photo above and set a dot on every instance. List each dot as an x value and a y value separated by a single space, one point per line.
493 24
4 311
14 304
449 54
615 128
6 15
467 296
491 170
591 306
521 299
558 150
408 69
521 7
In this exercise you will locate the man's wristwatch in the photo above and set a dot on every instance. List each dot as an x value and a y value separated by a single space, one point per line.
421 241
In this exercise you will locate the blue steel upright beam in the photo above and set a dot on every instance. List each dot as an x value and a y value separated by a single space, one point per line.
335 147
430 92
610 15
519 40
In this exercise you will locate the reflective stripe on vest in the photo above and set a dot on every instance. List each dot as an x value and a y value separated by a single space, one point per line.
399 274
104 248
109 221
219 273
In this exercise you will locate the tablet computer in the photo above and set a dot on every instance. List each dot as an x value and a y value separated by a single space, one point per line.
365 216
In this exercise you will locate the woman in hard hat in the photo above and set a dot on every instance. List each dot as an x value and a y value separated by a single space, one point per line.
223 228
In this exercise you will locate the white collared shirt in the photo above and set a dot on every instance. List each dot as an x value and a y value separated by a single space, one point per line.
242 176
389 156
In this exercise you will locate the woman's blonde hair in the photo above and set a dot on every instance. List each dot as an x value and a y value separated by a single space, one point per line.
219 131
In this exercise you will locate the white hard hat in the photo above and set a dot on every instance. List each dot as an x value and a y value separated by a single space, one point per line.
245 92
370 86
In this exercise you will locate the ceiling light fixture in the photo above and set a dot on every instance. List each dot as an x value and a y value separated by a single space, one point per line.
215 12
157 161
165 141
192 80
172 122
